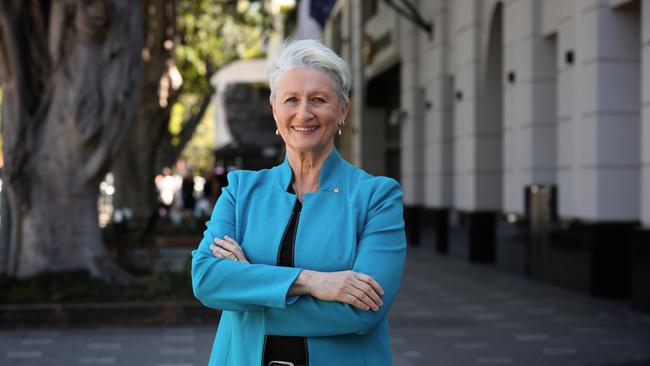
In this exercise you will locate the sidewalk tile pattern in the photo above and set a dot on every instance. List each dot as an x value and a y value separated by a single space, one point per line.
452 312
449 312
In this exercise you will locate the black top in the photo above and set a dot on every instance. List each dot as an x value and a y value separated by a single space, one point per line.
280 348
285 257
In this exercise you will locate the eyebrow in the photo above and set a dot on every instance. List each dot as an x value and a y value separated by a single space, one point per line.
310 94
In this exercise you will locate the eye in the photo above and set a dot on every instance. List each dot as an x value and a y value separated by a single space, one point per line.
291 100
318 100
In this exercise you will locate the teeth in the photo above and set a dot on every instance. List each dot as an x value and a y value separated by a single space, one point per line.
304 129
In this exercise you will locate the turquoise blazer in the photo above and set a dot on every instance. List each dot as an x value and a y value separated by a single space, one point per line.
354 222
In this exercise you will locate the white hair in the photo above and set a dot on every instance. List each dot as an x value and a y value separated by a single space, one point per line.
310 53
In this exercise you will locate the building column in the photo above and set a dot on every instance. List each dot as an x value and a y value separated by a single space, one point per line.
477 139
530 125
358 82
438 131
411 144
645 115
599 151
567 115
641 243
530 118
608 103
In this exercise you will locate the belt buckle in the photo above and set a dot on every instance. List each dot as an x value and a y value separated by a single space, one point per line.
285 363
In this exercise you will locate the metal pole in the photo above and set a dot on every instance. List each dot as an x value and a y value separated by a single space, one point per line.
358 81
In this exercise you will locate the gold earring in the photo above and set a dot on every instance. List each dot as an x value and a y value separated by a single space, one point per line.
340 132
277 133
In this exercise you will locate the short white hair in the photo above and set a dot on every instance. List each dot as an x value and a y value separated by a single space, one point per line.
312 54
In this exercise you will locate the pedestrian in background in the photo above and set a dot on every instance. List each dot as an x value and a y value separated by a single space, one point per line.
306 258
167 185
187 193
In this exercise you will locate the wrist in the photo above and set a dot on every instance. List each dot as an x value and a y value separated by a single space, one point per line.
301 285
304 282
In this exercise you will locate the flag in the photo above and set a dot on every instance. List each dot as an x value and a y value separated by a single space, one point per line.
320 10
312 15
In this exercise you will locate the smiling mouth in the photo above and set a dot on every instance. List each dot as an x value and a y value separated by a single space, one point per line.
305 129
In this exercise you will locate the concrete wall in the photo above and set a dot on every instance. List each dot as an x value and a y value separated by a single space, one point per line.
530 118
607 123
411 103
439 88
645 115
570 112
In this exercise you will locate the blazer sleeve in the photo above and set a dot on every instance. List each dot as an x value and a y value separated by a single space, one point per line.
228 285
381 254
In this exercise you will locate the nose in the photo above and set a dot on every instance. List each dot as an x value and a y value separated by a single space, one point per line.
304 111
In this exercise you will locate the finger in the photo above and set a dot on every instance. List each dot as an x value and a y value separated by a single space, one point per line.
233 248
225 253
349 299
367 294
231 240
365 298
368 291
215 252
371 281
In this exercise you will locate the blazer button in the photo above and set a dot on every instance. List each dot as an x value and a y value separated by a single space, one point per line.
335 190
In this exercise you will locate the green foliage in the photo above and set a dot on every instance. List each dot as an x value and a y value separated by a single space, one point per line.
176 119
212 33
198 153
80 287
217 32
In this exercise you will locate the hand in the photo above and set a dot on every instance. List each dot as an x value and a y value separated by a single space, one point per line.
356 289
228 248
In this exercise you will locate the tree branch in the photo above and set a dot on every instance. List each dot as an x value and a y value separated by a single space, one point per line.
190 125
168 153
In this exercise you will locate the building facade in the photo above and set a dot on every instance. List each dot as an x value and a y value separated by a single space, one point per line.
519 130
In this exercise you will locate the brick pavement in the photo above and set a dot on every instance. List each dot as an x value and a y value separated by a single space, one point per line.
148 346
449 312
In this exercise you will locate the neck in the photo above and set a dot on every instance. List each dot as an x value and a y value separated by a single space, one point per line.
306 167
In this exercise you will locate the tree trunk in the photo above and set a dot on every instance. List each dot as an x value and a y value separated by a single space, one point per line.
134 169
149 147
5 233
70 74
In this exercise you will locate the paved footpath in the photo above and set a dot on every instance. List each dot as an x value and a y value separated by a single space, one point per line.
452 312
449 312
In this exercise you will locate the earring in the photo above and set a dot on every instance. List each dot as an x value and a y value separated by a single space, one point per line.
277 133
341 126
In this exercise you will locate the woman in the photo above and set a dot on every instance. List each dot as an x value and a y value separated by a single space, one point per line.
306 258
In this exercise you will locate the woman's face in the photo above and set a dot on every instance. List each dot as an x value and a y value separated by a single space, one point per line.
307 110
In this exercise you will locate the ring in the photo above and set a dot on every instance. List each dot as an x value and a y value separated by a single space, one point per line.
235 259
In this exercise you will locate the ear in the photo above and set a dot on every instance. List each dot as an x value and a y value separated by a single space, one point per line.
272 103
345 108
